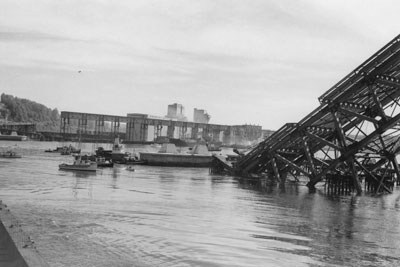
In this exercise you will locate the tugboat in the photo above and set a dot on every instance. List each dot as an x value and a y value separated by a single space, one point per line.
79 165
103 153
117 154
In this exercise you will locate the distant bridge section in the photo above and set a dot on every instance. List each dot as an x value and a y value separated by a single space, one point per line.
19 127
142 128
350 138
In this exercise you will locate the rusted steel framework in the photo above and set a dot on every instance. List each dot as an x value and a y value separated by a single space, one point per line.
354 132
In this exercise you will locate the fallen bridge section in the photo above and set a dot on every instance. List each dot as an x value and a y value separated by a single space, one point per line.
354 132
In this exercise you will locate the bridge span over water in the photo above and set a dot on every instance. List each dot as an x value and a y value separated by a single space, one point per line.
351 139
142 128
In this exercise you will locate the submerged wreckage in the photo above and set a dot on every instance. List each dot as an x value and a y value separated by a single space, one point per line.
350 139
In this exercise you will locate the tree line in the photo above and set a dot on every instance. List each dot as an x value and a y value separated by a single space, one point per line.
23 110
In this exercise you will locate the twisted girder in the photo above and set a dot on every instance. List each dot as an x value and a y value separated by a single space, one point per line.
357 118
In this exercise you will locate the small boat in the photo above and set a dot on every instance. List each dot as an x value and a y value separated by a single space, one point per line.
59 149
130 168
64 150
79 165
68 150
10 155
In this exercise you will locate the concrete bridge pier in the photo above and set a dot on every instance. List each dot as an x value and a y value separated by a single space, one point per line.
226 137
216 135
144 132
115 124
195 132
183 131
82 124
65 124
130 130
99 124
136 130
171 130
206 133
157 130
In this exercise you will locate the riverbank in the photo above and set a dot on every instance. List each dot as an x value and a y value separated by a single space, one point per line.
16 247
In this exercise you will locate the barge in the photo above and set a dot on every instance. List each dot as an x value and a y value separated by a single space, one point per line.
13 137
169 156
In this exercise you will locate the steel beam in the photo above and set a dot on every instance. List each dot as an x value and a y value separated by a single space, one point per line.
321 140
356 147
358 115
293 165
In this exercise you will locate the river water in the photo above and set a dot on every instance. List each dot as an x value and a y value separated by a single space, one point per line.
164 216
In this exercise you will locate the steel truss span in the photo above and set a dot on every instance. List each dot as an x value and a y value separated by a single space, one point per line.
350 140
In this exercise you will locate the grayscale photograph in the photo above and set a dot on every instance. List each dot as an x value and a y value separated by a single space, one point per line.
191 133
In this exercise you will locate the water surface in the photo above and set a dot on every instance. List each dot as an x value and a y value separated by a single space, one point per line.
160 216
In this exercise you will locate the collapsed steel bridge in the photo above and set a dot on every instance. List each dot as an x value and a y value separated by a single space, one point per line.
350 139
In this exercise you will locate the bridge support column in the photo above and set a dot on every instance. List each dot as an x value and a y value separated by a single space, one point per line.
195 132
206 133
82 124
171 130
356 180
136 130
276 170
130 130
283 180
99 127
65 126
143 132
115 124
227 136
216 135
342 141
157 130
396 168
182 131
310 157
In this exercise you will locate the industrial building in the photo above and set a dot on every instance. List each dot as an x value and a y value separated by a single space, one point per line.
201 116
176 111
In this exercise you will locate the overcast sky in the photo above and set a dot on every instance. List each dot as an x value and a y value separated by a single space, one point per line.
258 62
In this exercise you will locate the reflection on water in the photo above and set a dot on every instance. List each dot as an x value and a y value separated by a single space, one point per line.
186 217
82 183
